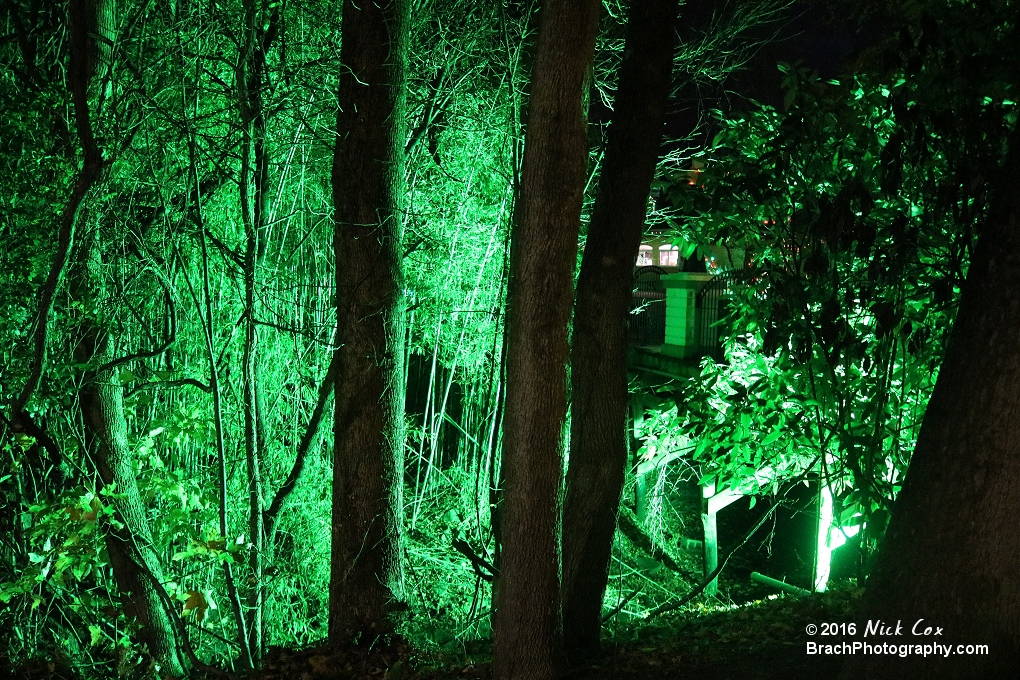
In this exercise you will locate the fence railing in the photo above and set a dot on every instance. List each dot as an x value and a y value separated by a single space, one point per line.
710 305
648 325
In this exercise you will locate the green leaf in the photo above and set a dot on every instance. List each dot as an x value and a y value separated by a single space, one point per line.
789 98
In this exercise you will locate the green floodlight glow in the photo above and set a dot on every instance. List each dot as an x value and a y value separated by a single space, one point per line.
830 537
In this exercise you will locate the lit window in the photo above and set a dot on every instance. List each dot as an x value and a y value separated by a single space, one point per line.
644 256
669 256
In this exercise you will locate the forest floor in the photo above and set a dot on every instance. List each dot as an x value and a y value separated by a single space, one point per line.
761 640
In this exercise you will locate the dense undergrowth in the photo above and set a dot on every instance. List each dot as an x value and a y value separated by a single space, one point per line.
856 203
444 630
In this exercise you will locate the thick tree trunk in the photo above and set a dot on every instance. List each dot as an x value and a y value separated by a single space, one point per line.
542 258
369 413
951 553
599 443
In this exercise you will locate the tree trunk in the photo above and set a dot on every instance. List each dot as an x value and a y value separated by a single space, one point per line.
950 555
369 412
258 35
134 561
599 443
542 258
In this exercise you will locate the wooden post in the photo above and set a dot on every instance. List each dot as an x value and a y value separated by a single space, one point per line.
637 415
711 504
823 522
830 537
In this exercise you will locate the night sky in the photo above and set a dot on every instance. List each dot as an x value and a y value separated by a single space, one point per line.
814 34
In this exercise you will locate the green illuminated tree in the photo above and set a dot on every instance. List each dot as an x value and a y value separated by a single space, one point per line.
367 182
168 344
949 555
135 564
260 30
857 209
712 45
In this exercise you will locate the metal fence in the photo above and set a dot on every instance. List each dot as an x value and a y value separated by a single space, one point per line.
648 324
709 308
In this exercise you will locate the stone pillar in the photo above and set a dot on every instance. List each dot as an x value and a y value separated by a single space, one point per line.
681 328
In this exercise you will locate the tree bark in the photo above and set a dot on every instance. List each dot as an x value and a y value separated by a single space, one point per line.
599 444
540 295
87 18
258 36
950 555
134 561
369 413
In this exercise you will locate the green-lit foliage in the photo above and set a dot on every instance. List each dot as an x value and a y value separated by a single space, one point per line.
856 208
858 204
170 222
171 111
465 105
